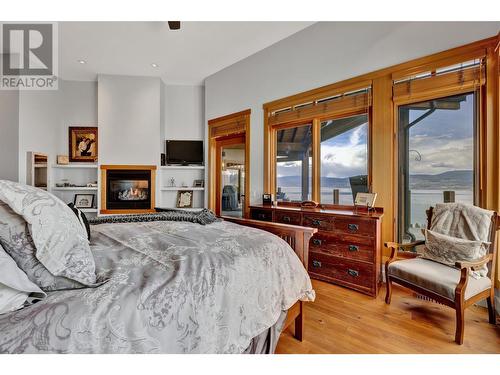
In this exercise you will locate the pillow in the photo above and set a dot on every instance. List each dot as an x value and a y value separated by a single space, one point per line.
16 290
61 242
17 242
448 250
81 218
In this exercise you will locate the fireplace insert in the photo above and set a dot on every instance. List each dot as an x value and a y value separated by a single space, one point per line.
128 189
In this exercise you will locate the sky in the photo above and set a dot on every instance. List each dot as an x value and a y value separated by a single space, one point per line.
444 140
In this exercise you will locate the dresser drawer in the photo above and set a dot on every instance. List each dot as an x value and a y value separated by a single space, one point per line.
262 215
287 217
345 249
322 222
355 226
345 270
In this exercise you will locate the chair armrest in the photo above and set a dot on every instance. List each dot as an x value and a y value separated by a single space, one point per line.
476 263
404 246
394 246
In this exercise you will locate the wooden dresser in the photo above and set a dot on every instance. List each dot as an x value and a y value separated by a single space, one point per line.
346 250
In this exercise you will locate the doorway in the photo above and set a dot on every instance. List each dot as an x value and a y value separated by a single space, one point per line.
229 165
231 176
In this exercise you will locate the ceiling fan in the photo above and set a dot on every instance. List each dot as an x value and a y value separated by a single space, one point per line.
174 25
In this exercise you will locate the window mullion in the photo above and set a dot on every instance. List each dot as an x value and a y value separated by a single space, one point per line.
316 160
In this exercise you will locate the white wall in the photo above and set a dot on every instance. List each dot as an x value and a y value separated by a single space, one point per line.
9 134
44 118
129 120
322 54
184 112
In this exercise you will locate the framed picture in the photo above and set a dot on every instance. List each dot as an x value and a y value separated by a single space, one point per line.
185 199
365 199
82 144
84 200
198 183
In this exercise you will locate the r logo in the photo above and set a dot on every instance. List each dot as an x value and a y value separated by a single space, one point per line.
27 49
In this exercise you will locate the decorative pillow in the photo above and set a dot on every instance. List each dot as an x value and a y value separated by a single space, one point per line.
81 218
448 250
16 290
61 242
17 242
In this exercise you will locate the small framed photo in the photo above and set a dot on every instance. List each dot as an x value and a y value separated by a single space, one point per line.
198 183
185 199
82 144
84 200
365 199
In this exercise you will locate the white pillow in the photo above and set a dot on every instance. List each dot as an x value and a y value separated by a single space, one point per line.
16 289
448 250
61 242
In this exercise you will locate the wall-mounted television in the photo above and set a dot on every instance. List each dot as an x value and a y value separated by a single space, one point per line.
184 152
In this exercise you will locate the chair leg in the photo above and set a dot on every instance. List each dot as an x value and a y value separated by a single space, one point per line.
388 293
459 331
491 309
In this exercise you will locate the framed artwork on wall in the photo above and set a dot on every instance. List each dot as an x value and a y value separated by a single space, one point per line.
83 144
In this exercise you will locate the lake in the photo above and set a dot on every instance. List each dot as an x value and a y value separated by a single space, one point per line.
421 200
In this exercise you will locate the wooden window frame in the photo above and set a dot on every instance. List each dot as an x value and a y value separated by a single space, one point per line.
384 132
313 116
235 124
479 149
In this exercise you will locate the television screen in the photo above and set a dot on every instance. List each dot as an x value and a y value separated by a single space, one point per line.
184 152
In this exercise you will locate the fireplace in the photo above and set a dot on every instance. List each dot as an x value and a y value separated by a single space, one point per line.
127 189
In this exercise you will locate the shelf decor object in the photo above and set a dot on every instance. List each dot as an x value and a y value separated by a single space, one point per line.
62 159
185 199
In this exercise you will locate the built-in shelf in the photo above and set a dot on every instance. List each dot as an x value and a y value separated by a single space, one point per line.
44 165
175 188
76 166
182 167
89 210
73 188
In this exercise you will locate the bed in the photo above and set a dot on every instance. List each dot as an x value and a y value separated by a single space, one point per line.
168 286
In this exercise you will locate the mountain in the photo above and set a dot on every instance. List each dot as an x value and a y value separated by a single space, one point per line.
451 180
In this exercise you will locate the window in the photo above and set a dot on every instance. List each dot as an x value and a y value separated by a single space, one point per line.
344 159
437 143
294 164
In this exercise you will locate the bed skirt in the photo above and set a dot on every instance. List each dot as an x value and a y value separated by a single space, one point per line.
266 342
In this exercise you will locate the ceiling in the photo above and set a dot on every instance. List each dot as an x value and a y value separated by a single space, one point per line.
185 57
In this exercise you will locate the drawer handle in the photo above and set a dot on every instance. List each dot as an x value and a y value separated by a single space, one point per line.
317 241
353 273
353 248
316 222
353 227
286 219
316 264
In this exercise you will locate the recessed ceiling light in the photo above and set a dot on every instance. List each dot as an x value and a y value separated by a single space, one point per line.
82 61
154 65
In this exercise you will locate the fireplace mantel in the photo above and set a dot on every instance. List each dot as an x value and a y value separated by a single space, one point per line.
127 168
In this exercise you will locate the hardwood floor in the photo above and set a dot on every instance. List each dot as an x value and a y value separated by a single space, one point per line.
342 321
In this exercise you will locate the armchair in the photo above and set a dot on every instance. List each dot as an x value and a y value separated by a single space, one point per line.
450 286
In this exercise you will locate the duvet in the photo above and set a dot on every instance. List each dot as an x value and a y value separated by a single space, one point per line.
170 287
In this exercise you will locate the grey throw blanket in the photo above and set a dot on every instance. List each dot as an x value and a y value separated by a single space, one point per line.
202 217
462 221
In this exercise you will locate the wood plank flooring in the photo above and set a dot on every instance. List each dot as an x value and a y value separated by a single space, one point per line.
341 321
